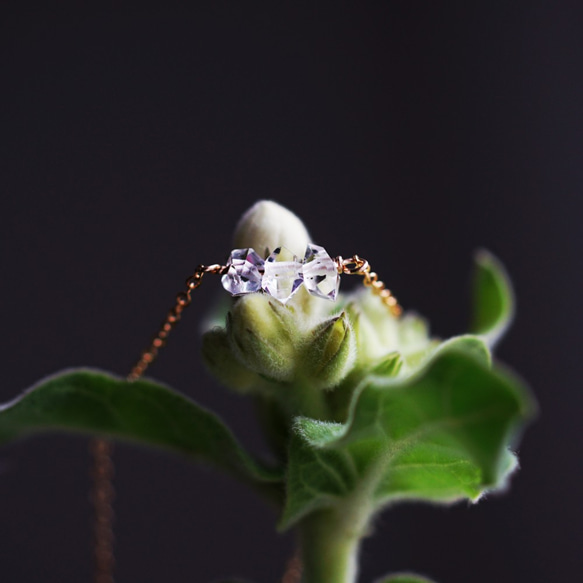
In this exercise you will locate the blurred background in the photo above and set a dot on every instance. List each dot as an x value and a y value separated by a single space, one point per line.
413 134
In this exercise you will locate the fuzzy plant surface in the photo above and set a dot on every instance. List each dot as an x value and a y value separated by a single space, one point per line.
362 409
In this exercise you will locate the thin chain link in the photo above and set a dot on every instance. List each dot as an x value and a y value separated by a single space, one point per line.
102 498
103 493
293 571
358 266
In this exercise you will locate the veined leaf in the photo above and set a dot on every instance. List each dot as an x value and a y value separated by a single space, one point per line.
143 411
441 435
493 299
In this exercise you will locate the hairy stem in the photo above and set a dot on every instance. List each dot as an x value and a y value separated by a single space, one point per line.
330 538
329 542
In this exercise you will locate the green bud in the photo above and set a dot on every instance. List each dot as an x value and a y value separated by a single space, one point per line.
413 336
330 355
378 333
389 365
370 347
265 336
384 324
220 361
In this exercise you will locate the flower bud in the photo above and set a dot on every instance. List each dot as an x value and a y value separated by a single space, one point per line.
268 225
369 345
264 336
378 333
220 361
389 365
331 353
413 334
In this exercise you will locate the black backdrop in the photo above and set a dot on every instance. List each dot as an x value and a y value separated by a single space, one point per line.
131 141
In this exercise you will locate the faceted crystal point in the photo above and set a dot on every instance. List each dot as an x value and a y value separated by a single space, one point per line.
283 274
321 277
244 273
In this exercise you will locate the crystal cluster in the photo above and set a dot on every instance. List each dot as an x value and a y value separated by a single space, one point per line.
282 273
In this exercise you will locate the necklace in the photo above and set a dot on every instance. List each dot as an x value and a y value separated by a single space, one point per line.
280 275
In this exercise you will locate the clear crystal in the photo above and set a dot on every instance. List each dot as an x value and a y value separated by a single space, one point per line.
321 277
283 274
244 273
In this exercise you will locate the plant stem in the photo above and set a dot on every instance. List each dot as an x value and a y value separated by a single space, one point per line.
310 402
330 540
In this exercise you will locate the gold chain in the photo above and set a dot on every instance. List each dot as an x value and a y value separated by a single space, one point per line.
103 492
358 266
102 449
102 498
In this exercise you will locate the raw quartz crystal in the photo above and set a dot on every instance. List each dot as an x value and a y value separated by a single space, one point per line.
244 273
321 276
283 274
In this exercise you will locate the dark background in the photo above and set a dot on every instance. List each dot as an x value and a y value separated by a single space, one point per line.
130 142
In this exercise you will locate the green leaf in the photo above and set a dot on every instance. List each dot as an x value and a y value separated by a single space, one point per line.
440 435
404 578
468 343
143 411
493 298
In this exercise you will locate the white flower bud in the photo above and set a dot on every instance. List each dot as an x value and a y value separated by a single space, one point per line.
268 225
